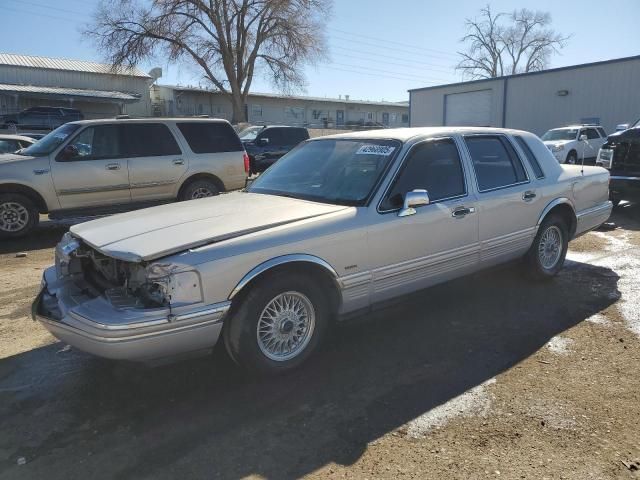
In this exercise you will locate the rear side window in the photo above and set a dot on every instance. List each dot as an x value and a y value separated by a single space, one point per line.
210 137
531 158
495 162
603 134
148 140
434 166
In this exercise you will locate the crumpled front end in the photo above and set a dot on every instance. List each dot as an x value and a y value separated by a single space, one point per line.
125 310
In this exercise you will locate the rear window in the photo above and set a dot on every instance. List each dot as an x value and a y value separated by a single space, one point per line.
149 140
210 137
531 158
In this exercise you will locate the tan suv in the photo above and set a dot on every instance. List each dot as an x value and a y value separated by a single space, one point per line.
96 167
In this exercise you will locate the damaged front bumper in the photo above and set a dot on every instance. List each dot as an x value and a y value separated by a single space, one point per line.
94 325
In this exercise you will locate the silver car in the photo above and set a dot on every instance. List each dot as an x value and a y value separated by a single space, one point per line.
336 227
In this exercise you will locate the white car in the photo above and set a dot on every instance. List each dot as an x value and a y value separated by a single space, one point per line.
13 143
566 146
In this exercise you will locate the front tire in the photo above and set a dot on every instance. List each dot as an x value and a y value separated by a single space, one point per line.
18 215
572 158
549 249
279 324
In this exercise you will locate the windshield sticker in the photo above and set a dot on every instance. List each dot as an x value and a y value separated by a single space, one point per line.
385 150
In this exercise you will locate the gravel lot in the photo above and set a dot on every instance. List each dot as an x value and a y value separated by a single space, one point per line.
487 376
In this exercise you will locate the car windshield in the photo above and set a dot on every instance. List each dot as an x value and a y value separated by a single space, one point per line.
51 141
250 133
338 171
561 134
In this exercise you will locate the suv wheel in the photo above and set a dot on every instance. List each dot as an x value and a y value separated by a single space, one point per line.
18 215
572 158
279 324
199 189
546 256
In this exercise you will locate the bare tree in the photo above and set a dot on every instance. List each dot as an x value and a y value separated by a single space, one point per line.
229 40
497 47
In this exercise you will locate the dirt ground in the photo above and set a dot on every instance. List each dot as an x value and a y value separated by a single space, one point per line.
490 376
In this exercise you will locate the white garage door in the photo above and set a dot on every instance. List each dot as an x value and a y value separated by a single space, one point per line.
469 108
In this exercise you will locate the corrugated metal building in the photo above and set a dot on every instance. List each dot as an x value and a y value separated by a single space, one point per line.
94 88
274 109
604 93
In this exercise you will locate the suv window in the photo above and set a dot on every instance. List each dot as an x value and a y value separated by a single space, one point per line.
95 143
592 134
531 158
294 136
148 140
210 137
434 166
495 162
601 131
275 136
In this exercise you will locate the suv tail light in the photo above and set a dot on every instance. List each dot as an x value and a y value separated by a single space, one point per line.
245 157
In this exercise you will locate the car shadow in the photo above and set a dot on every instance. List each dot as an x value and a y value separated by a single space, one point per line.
199 418
46 235
627 216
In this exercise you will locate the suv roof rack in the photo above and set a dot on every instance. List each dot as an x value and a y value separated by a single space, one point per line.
122 117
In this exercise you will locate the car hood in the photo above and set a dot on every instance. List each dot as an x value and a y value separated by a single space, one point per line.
12 157
152 233
556 142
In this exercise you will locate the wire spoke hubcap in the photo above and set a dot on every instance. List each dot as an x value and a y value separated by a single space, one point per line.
13 217
201 192
286 326
550 247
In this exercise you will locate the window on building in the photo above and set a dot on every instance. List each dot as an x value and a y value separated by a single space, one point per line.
256 111
405 118
210 137
293 114
433 166
495 162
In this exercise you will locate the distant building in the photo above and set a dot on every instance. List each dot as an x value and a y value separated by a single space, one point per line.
94 88
604 93
268 108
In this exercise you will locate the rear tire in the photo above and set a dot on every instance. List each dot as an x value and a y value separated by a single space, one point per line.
18 215
199 189
279 324
549 249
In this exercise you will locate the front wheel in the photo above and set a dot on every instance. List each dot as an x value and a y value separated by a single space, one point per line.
572 158
278 324
546 256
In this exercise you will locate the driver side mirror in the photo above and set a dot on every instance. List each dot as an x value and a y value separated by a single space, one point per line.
413 199
583 138
69 152
263 141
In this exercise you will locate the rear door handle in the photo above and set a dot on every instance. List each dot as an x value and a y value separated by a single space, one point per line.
528 195
178 161
462 212
113 166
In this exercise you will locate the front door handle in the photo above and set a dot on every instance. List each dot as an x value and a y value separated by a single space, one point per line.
462 212
113 166
178 161
528 195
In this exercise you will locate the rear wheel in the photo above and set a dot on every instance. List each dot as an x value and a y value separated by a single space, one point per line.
278 324
546 256
199 189
18 215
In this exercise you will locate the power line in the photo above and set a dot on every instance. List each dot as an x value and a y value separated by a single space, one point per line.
378 55
39 14
415 81
408 76
39 5
408 45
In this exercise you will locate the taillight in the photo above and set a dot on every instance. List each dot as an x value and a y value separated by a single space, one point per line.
245 157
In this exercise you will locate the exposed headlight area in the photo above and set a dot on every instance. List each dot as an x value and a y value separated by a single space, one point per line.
127 285
557 148
605 158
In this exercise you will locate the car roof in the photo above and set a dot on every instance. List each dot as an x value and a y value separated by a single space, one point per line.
573 127
148 120
406 134
15 137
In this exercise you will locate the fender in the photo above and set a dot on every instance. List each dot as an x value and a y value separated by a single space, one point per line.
282 260
555 203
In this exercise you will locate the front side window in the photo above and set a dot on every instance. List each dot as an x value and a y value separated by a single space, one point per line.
51 141
602 133
96 143
148 140
495 162
343 172
592 134
274 136
433 166
210 137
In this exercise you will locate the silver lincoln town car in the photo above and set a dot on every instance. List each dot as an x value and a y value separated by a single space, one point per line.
338 225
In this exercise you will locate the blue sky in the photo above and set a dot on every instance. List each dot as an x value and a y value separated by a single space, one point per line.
378 48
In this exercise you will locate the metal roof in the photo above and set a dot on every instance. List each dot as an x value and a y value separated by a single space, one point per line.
31 61
294 97
539 72
70 92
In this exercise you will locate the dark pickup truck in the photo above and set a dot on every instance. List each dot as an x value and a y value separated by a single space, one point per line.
621 156
266 144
